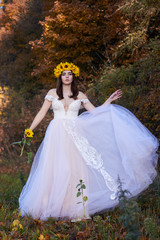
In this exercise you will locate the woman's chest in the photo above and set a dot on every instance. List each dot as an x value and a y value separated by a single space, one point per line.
63 105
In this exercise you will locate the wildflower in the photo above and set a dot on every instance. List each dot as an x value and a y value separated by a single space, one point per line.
14 229
16 225
15 222
19 214
20 226
29 133
41 237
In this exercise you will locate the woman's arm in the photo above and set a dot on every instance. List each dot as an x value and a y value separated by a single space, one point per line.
41 114
89 106
117 94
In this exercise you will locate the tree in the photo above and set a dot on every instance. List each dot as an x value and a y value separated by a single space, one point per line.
79 31
142 22
19 25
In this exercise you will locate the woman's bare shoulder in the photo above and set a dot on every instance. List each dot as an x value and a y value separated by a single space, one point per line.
81 95
52 92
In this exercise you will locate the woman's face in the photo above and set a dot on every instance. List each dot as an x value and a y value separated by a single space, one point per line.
67 77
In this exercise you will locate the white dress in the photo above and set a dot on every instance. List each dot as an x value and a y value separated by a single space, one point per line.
97 146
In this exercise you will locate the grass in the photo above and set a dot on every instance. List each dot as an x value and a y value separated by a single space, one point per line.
116 224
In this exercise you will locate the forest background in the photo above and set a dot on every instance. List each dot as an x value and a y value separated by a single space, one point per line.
116 44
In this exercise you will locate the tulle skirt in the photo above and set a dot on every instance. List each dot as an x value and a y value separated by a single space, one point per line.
97 147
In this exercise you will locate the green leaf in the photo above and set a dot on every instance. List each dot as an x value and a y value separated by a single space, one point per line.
78 185
79 202
85 198
29 143
29 157
83 186
78 194
19 142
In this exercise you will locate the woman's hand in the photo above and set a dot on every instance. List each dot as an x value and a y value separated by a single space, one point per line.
117 94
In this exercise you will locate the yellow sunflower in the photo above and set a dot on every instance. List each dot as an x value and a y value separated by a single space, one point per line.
29 133
66 67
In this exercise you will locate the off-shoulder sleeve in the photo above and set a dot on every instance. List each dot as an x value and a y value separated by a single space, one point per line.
49 98
85 100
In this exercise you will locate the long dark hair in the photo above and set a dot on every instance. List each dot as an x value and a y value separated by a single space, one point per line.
74 88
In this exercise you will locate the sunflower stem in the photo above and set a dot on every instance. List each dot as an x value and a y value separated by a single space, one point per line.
24 142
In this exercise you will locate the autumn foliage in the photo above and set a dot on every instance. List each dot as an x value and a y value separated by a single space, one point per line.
82 32
114 43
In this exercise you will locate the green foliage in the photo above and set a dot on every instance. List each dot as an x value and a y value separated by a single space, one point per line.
25 141
137 81
9 191
100 226
16 116
29 155
122 35
151 228
142 24
129 214
81 186
86 32
105 226
22 177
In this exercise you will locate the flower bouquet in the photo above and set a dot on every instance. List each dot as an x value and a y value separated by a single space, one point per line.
28 135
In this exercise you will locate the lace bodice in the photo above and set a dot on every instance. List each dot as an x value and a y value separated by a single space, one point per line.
59 110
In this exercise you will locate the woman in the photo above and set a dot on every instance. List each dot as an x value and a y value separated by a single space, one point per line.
98 146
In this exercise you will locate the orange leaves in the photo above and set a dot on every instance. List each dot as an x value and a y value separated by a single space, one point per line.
61 236
75 31
13 10
82 235
42 237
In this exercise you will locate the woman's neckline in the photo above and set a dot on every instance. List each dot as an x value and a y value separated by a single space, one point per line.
68 105
63 98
